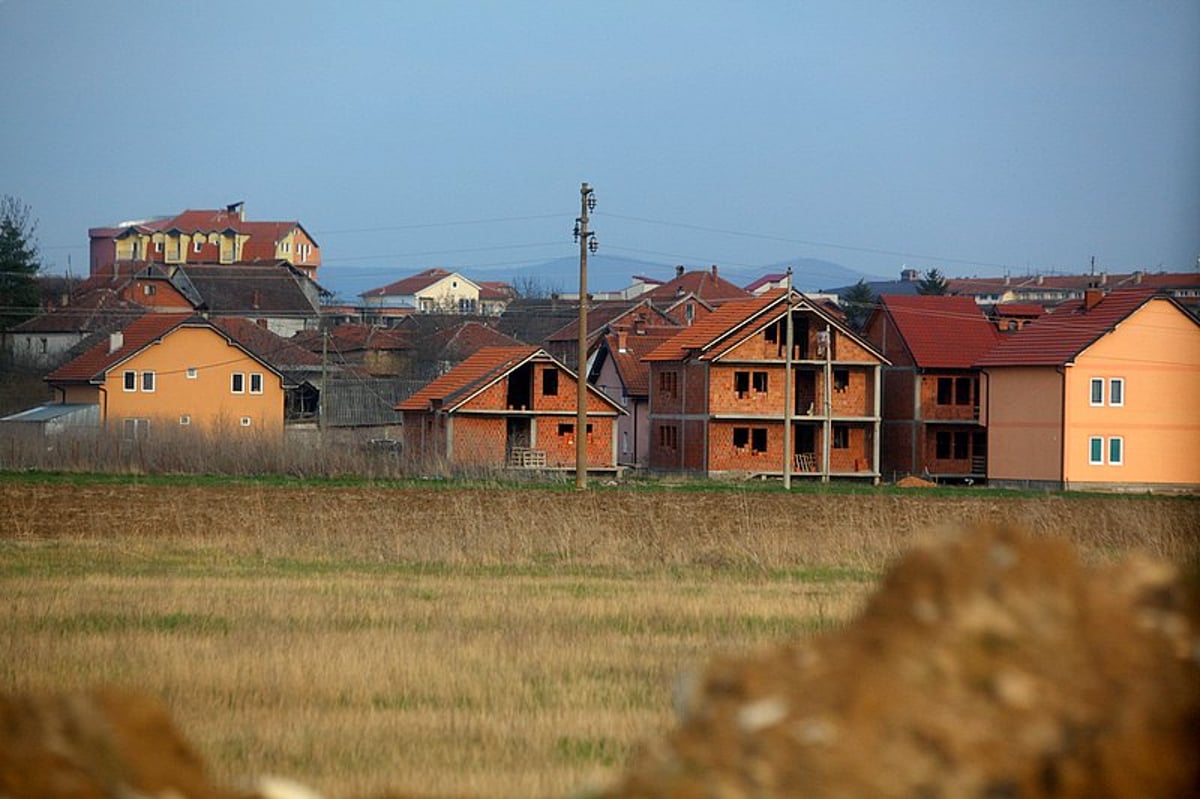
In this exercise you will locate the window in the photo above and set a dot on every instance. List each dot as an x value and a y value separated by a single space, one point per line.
689 312
130 383
135 429
1097 397
1095 450
962 391
246 421
771 334
741 384
185 420
256 383
237 383
624 442
148 381
760 382
287 246
668 384
149 290
841 436
550 383
962 446
1116 392
566 429
668 436
197 244
758 439
945 390
192 373
942 445
841 379
158 246
741 437
1116 451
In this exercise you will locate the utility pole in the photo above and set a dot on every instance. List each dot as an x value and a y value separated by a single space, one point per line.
787 388
321 405
587 243
828 402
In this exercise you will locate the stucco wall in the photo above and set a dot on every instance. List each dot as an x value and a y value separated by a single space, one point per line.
1025 423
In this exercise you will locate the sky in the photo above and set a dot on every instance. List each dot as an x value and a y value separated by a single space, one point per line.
976 138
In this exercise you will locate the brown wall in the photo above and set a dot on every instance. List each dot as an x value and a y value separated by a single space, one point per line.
1025 423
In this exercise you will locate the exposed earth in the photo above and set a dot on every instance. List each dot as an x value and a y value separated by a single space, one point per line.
990 665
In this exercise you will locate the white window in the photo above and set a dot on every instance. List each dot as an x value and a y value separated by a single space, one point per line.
256 383
185 420
130 378
1097 395
1095 450
245 421
148 381
1116 392
287 246
237 383
1116 451
158 246
192 373
197 243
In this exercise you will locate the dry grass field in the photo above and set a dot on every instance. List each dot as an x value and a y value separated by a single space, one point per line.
488 641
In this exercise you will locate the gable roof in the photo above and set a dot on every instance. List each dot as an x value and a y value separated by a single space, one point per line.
606 313
462 340
98 359
941 332
283 354
706 284
413 283
1057 338
720 322
239 288
631 367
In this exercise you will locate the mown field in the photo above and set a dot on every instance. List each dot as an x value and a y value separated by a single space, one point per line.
448 639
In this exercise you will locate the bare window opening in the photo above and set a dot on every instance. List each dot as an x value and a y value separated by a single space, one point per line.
550 383
841 436
963 391
741 383
668 384
841 379
942 445
962 446
945 390
668 436
520 388
568 429
771 334
741 437
758 439
760 382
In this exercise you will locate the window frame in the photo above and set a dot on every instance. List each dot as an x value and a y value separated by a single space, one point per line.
1095 450
129 380
1116 392
185 420
237 382
148 381
246 421
192 373
1096 392
1119 442
256 377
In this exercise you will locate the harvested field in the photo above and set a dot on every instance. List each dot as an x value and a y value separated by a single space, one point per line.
490 642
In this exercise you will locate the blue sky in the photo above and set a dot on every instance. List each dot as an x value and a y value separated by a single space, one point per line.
979 138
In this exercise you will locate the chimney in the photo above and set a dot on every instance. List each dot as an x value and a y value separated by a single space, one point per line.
622 340
1091 298
908 275
116 341
1137 277
714 270
679 270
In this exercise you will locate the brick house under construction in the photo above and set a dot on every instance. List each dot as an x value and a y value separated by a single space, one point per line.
507 407
718 393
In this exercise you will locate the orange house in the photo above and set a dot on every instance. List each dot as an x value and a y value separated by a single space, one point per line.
1099 394
174 371
508 406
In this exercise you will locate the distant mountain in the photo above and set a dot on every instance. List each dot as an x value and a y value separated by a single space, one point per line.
813 274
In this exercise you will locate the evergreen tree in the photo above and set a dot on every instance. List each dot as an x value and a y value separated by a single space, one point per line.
859 301
934 282
19 294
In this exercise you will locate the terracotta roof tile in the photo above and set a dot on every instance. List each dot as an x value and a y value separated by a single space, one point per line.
485 365
941 332
630 364
1057 338
706 284
409 285
135 336
712 327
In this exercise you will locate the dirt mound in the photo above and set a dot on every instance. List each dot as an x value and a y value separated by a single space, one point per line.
915 482
991 666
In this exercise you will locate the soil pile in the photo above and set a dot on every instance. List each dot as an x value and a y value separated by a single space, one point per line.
915 482
991 666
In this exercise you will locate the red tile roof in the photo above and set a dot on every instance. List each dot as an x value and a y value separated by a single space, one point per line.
632 369
1057 338
712 327
409 285
941 332
706 284
464 339
98 359
496 290
273 350
605 313
1021 309
475 372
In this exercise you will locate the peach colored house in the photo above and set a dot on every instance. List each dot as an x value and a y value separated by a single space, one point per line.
507 406
1100 394
719 393
174 372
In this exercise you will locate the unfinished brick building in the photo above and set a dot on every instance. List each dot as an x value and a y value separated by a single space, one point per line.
718 393
507 407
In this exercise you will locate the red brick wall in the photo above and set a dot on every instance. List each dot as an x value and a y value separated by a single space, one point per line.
724 456
424 437
560 449
929 391
478 440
